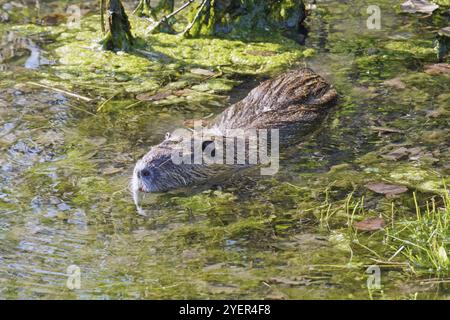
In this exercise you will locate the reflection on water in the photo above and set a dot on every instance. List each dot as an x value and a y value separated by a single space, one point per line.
64 198
13 46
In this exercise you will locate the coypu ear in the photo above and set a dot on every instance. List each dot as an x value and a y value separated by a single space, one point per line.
210 147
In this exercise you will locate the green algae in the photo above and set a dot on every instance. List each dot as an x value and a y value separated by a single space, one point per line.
286 237
162 59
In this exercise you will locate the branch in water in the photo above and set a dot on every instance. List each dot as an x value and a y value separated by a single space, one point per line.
196 18
164 19
144 9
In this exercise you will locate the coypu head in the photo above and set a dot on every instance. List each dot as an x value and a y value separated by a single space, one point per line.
295 103
159 171
172 165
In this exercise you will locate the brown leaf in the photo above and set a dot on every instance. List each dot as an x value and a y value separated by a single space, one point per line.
386 189
190 122
153 97
422 6
396 154
437 69
182 92
370 224
53 19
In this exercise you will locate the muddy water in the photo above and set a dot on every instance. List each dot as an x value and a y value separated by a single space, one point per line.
65 168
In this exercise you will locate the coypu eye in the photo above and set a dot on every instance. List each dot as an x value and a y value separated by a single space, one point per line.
145 173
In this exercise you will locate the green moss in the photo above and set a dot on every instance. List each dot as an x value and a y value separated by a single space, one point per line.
417 48
421 179
445 3
289 237
159 62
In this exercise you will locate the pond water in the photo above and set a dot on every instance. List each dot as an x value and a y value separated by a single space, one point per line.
65 164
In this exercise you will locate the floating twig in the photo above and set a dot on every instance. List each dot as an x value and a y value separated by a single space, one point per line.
133 104
105 102
74 95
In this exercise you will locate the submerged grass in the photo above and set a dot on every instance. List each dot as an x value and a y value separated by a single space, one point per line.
271 239
419 240
424 239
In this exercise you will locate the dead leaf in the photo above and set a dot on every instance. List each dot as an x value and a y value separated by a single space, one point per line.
203 72
437 69
395 83
386 189
422 6
396 154
370 224
183 92
53 19
261 53
153 97
190 122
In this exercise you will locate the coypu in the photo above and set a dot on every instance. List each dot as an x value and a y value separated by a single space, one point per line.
294 103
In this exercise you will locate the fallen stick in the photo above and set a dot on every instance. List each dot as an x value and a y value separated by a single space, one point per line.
61 91
106 102
167 17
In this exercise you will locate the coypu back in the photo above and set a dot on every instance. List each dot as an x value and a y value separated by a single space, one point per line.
293 102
